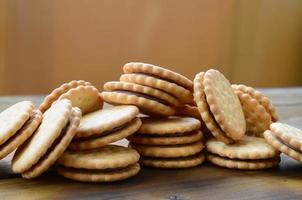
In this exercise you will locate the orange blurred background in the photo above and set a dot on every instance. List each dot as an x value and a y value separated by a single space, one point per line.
45 43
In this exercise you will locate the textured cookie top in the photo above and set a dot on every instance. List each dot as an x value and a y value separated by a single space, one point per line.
288 134
54 120
137 67
104 120
108 157
13 118
247 148
224 104
152 125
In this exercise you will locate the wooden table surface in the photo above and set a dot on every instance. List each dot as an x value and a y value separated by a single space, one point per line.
203 182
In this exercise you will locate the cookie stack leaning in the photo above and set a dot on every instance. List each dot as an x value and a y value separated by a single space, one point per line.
17 124
173 142
258 110
153 89
250 153
49 141
219 106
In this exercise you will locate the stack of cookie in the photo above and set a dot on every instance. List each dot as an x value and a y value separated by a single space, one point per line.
161 94
169 142
154 90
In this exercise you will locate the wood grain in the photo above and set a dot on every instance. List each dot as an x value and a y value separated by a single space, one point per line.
203 182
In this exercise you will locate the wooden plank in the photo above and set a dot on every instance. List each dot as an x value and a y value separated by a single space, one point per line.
203 182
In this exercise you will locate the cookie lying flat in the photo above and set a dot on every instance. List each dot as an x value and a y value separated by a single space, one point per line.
286 139
159 78
149 100
106 126
82 95
262 100
249 153
53 136
21 135
205 112
56 93
105 164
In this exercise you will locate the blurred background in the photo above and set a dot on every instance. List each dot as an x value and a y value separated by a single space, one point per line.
44 43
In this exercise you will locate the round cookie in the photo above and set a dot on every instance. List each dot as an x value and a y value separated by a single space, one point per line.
106 138
13 118
85 97
57 148
243 164
155 94
248 148
182 94
170 163
56 93
22 134
105 164
98 122
144 103
53 122
263 100
168 151
282 146
224 104
257 118
136 67
171 125
175 139
205 112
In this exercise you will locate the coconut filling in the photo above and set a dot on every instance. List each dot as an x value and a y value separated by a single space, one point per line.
288 145
179 134
194 156
105 133
53 146
274 159
96 171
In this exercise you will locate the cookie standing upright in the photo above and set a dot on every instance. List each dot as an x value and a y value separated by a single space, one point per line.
49 141
81 94
105 164
219 106
250 153
173 142
17 123
286 139
106 126
258 110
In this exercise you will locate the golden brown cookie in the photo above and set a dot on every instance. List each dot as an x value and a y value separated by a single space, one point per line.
257 118
170 163
261 98
205 112
56 93
22 134
224 104
105 164
57 128
163 73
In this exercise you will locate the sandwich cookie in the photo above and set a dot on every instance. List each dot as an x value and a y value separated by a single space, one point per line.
250 153
160 78
106 126
49 141
149 100
105 164
173 142
81 94
17 123
219 106
286 139
258 110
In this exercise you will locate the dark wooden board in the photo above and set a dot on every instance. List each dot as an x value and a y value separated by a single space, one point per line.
203 182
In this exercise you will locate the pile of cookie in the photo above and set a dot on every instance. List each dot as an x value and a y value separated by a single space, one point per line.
169 121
